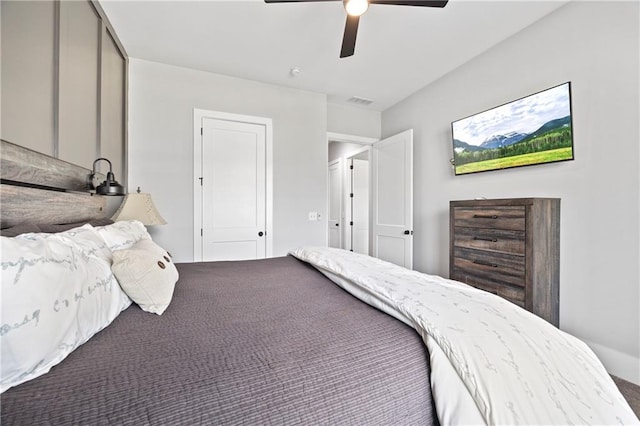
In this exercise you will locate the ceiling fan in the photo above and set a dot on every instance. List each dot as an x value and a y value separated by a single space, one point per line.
355 8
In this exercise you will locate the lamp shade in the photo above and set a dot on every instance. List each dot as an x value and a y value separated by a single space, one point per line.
139 206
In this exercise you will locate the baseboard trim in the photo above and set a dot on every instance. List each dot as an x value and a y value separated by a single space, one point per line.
617 363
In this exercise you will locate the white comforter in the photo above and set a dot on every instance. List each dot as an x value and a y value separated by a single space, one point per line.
492 362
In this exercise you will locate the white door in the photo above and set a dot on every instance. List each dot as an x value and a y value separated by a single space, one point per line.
360 206
335 204
233 190
392 196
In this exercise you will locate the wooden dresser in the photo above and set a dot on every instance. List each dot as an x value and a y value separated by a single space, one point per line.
509 247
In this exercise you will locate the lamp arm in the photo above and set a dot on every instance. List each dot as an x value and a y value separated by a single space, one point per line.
103 159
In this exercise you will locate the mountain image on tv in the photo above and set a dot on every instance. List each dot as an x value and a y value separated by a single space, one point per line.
532 130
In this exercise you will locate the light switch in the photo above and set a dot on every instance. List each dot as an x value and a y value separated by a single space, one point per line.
313 216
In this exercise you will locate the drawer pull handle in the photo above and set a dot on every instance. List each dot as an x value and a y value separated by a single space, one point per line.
485 216
493 240
480 262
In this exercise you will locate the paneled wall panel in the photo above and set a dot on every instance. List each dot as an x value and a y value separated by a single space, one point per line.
112 128
80 29
29 73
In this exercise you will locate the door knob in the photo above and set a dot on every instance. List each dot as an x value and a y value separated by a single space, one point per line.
260 234
337 224
408 232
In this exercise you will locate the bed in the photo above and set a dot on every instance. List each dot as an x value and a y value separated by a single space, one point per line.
255 342
316 337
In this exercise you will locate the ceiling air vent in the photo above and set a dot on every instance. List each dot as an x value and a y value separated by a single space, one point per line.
360 101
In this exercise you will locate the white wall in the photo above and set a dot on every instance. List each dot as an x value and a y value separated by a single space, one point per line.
354 121
595 45
161 102
342 149
1 76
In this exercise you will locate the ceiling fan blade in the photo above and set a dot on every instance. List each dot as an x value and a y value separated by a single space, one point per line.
425 3
349 39
295 1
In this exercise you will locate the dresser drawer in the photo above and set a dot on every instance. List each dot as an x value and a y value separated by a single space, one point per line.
512 294
491 266
512 218
497 240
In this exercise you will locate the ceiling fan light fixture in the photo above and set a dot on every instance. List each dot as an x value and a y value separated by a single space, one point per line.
356 7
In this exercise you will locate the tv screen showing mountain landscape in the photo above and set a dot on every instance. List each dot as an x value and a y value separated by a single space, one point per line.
532 130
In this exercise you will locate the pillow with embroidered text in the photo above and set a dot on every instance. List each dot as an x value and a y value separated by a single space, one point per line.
57 291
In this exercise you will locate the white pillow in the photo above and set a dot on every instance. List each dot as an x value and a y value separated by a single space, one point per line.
147 274
123 234
57 291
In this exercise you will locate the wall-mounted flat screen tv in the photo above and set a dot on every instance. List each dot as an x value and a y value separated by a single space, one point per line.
532 130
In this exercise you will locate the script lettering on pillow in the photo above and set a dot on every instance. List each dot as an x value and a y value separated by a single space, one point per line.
57 291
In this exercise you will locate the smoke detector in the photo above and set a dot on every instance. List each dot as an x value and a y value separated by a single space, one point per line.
294 72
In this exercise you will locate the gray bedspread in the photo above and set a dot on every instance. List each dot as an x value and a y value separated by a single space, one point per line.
254 342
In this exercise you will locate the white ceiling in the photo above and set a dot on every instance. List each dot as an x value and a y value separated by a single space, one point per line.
399 49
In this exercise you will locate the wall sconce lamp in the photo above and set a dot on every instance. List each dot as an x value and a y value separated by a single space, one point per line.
139 206
110 186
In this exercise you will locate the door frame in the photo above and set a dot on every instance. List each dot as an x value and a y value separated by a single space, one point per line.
341 214
198 116
366 143
347 236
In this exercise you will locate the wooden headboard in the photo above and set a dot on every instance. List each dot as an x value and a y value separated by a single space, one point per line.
37 188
